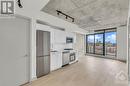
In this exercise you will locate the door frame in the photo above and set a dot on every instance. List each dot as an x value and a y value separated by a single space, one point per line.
128 47
29 45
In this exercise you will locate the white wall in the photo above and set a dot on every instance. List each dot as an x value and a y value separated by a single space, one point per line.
122 43
80 44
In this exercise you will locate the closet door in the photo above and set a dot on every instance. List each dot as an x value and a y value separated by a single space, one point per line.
14 51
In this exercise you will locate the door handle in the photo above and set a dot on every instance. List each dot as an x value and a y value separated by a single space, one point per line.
43 56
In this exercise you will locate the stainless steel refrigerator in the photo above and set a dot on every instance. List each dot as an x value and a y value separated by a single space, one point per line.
42 53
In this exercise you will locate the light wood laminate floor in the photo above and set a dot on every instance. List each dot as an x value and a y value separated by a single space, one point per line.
89 71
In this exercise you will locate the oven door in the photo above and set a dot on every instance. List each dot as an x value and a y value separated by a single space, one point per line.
72 57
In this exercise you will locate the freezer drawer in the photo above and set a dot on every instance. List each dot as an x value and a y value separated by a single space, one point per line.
43 65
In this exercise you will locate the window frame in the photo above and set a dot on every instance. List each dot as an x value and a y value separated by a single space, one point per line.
103 31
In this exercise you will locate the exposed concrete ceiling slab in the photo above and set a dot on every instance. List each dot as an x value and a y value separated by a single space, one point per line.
91 13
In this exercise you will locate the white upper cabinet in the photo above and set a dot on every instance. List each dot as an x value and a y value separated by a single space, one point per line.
59 36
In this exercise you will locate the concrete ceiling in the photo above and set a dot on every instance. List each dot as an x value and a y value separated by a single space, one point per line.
90 14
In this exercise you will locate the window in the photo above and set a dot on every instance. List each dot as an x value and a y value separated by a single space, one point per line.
110 43
99 44
90 40
102 42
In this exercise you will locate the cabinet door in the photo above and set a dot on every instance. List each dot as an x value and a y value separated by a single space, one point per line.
59 36
56 60
53 61
59 60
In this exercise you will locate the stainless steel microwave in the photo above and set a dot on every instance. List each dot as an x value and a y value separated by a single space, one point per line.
69 40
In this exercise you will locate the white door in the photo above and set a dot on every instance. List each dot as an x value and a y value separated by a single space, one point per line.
14 51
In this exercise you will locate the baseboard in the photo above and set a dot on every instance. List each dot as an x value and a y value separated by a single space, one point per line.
33 79
24 84
122 60
105 57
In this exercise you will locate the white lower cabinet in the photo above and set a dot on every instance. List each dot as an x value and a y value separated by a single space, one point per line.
56 60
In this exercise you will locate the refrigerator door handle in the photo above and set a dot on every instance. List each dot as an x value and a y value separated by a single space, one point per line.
43 56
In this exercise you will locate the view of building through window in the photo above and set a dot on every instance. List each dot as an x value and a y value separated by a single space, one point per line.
99 44
90 47
110 43
103 43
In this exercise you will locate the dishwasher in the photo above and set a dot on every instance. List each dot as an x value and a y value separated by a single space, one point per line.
65 58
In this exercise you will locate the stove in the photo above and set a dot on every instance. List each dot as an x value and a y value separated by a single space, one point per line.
72 55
